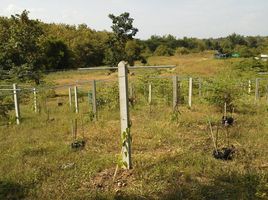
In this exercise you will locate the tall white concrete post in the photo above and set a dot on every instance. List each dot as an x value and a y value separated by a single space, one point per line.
150 94
124 115
16 103
76 100
35 100
190 92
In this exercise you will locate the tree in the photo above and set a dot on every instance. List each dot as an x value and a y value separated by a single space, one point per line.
123 31
19 47
133 51
56 55
122 27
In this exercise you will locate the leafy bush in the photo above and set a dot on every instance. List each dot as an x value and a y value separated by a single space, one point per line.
163 50
224 89
181 51
108 96
251 65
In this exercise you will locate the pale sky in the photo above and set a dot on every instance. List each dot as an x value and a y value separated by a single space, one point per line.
191 18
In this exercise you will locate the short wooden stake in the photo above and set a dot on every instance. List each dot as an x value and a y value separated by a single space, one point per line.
190 92
124 115
16 103
175 92
76 100
94 100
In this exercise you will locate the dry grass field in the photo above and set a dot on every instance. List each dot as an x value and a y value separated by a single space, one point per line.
172 151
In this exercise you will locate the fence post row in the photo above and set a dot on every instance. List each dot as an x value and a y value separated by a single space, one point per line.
94 100
76 100
175 92
124 115
16 103
190 92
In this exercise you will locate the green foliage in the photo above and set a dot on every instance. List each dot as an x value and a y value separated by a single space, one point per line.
3 110
224 88
251 65
108 96
181 51
56 55
133 51
19 47
163 50
122 27
121 45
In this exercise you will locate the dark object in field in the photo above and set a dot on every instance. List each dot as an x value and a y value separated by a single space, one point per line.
132 101
226 153
78 144
60 103
227 121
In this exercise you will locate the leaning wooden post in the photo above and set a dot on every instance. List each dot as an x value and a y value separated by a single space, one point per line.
257 90
94 100
16 103
249 86
175 92
35 100
124 115
190 92
70 98
76 100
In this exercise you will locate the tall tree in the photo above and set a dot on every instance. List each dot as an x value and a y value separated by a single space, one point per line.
19 49
123 31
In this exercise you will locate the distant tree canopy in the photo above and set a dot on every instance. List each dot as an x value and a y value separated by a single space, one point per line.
28 47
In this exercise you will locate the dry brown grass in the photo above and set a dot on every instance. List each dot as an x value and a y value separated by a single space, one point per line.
199 64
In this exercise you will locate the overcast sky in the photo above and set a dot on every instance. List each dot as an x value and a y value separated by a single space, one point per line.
191 18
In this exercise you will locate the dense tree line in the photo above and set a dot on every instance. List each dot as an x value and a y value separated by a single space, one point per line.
29 47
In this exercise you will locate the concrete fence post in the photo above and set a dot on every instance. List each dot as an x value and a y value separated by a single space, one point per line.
35 100
76 100
16 103
190 92
124 115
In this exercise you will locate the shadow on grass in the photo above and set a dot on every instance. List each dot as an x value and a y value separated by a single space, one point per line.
10 190
225 186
